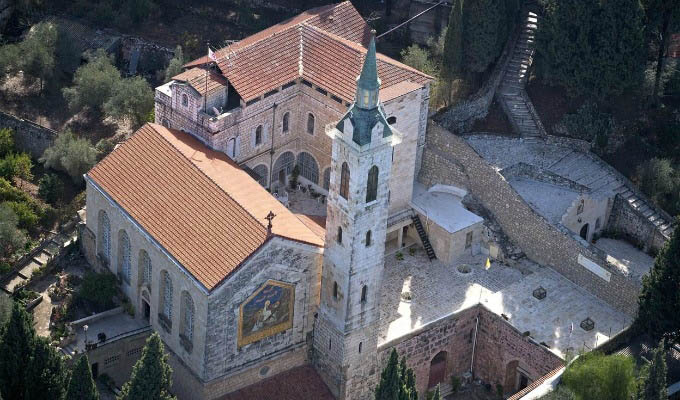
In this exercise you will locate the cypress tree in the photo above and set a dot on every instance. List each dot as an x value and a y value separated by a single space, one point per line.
655 385
151 376
437 394
17 343
389 387
47 375
452 63
411 385
82 385
660 298
481 26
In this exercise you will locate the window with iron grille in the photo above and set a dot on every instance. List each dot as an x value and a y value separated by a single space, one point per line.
104 235
308 167
372 184
188 317
344 180
310 123
124 256
261 171
145 267
167 296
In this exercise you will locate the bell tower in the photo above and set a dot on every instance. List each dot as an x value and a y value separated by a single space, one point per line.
345 335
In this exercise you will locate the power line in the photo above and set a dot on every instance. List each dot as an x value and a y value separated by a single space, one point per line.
410 19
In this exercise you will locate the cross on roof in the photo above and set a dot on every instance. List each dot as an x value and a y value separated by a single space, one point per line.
269 218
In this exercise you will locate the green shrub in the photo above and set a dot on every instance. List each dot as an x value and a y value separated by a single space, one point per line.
11 238
98 291
588 123
27 217
93 83
70 154
50 188
595 376
6 140
659 180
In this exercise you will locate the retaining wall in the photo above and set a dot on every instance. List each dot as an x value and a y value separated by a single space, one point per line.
28 136
449 160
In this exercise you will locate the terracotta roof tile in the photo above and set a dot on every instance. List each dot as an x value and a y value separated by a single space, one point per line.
324 46
198 204
201 82
300 383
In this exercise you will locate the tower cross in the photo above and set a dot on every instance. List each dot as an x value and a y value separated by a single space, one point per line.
269 219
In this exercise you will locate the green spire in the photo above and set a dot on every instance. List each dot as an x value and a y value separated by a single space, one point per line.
368 80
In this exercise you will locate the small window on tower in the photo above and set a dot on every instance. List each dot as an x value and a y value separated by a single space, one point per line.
335 290
339 234
364 294
310 123
367 95
392 120
286 118
185 100
344 180
258 136
368 238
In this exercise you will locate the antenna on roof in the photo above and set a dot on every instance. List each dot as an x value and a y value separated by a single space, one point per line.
269 218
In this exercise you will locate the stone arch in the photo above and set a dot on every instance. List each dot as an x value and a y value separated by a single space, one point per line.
283 166
124 256
285 124
584 232
104 236
262 171
309 168
437 369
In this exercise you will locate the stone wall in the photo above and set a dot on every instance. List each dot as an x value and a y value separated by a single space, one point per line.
28 136
498 346
117 358
624 219
449 160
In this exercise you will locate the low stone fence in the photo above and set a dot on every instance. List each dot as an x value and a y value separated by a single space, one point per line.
449 160
28 136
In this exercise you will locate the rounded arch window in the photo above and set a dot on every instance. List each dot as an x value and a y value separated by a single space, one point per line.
344 180
327 178
368 238
258 135
187 316
310 123
144 268
185 100
286 122
104 235
166 296
309 169
261 172
372 184
124 260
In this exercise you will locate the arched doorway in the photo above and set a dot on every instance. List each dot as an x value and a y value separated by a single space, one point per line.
283 167
584 232
511 377
437 369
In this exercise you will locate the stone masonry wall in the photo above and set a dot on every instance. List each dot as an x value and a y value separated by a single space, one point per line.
117 358
449 160
28 136
497 345
626 220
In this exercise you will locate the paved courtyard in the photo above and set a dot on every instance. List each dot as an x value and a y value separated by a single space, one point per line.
630 260
438 290
111 326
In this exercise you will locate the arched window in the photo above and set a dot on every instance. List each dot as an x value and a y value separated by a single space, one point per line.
335 290
144 268
344 180
258 135
360 343
286 121
185 100
310 123
283 166
166 299
187 317
368 238
392 120
124 256
308 167
364 294
372 184
339 237
261 171
104 234
327 178
231 148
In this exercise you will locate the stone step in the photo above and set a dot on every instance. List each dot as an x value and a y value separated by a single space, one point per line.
13 283
28 269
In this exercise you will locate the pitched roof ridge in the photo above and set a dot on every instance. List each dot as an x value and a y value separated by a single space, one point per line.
196 167
359 47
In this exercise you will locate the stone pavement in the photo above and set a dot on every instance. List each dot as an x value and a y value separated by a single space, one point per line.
438 290
631 261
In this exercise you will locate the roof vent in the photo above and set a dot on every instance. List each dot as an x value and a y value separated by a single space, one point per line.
587 324
540 293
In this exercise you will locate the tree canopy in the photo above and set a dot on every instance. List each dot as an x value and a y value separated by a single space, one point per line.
70 154
151 376
81 386
397 381
93 83
131 99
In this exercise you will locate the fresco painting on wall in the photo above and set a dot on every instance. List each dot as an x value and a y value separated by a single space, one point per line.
268 311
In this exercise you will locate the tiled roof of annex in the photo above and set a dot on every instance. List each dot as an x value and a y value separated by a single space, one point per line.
201 80
324 46
200 206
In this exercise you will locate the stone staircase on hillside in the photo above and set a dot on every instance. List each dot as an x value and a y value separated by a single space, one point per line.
641 206
511 91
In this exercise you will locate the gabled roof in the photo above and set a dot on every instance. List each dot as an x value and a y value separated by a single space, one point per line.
196 203
324 46
202 80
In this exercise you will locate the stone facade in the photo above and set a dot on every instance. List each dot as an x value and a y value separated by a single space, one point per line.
233 132
117 358
474 340
624 219
28 136
448 159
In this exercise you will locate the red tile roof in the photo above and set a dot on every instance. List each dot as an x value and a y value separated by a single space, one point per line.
538 382
324 46
196 203
301 383
203 82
